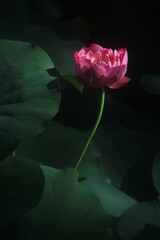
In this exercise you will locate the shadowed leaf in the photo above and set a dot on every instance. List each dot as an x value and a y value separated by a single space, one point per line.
21 186
26 105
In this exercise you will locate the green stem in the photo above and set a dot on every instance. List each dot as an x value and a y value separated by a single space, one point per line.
102 100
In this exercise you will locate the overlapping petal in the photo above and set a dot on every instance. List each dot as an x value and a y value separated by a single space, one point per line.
98 67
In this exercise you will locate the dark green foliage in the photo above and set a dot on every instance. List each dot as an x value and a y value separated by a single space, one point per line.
67 208
26 105
7 144
21 187
114 193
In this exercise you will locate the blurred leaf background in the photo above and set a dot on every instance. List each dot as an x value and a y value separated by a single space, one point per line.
115 193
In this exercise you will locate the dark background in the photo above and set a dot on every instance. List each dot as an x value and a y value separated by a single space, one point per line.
134 24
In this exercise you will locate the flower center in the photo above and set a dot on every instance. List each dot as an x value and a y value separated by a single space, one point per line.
106 58
98 57
93 59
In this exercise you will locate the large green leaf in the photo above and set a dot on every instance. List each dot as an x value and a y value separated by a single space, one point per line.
21 186
114 201
114 147
67 210
56 146
26 104
134 220
47 149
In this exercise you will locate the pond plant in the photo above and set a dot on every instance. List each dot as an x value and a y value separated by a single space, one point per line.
58 181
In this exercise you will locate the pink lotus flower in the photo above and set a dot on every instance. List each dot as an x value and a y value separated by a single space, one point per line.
98 67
